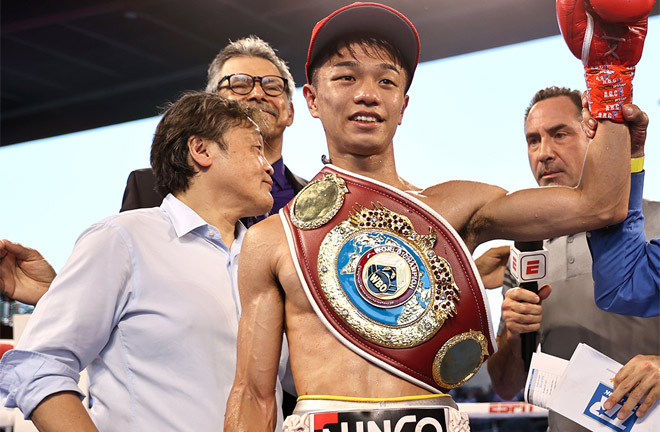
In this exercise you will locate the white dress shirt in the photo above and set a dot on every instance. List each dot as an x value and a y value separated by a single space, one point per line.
148 303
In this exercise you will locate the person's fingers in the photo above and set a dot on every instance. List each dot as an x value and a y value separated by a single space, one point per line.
651 398
544 292
21 252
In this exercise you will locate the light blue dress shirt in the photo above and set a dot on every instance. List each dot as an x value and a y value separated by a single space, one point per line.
148 303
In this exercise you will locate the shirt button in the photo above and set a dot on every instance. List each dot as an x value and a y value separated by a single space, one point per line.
588 234
570 239
211 232
571 260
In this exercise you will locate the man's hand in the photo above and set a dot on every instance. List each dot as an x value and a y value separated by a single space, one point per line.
25 275
638 123
522 311
640 380
491 266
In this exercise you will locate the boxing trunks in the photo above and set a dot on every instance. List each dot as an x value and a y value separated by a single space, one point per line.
407 414
390 278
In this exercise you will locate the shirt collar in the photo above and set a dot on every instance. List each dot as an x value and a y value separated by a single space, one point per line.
185 220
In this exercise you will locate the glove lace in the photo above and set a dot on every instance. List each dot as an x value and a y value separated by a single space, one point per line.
613 46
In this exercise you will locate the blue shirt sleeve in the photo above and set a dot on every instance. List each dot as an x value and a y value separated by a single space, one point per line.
29 377
71 323
626 268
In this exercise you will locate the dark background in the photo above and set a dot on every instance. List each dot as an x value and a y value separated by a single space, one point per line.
71 65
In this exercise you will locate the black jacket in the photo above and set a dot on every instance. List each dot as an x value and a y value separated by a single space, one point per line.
140 189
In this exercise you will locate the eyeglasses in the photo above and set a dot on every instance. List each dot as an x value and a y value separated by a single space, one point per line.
243 84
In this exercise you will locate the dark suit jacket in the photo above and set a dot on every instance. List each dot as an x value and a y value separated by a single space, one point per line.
140 189
297 182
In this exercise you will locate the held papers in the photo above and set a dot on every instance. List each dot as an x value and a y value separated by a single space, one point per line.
577 389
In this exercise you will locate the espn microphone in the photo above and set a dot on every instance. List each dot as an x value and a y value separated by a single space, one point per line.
528 263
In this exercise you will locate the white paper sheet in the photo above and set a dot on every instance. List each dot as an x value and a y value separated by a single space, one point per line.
583 388
544 374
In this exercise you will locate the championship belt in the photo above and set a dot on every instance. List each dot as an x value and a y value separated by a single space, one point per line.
390 278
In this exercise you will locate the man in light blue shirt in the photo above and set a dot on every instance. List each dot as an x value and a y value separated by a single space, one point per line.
148 301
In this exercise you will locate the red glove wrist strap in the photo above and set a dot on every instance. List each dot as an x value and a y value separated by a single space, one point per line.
609 87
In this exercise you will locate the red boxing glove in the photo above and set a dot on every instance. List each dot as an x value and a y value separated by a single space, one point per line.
623 11
608 36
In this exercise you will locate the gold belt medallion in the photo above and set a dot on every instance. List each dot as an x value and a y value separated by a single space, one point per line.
384 280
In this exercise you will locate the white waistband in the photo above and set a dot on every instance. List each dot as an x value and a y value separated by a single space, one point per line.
307 408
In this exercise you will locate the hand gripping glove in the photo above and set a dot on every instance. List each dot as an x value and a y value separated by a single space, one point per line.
608 36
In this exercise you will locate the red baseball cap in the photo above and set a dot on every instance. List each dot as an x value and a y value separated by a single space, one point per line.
371 18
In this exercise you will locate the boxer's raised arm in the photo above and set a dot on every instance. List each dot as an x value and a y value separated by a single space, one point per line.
600 199
608 37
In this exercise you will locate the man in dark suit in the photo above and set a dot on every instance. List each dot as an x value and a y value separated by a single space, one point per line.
247 70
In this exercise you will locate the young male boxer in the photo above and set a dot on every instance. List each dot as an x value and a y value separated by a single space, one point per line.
369 275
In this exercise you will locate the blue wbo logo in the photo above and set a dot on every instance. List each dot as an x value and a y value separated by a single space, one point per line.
384 277
596 411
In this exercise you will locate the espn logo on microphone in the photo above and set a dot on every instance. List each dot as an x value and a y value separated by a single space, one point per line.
528 266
